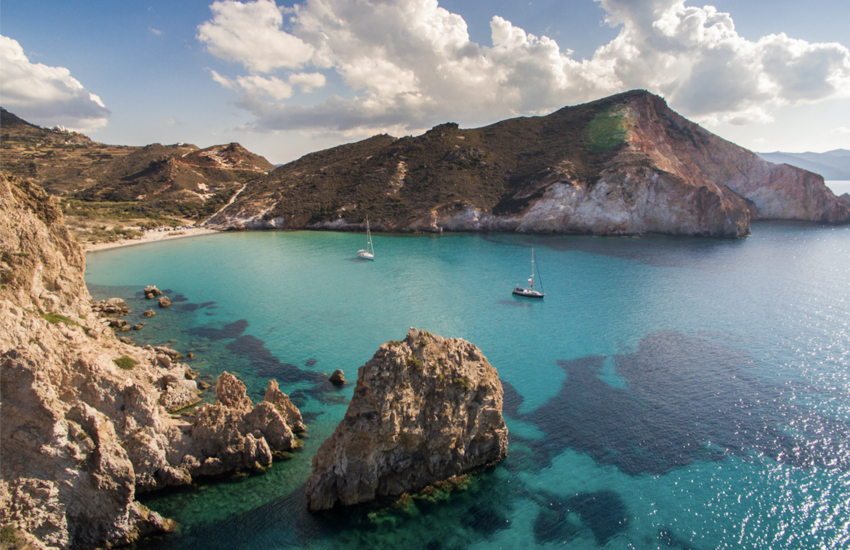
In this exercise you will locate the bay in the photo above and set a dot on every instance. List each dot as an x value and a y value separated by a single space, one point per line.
667 392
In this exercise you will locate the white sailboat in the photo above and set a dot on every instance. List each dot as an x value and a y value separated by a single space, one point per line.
369 252
529 292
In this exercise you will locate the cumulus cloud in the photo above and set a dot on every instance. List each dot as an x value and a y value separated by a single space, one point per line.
45 95
271 86
411 63
250 34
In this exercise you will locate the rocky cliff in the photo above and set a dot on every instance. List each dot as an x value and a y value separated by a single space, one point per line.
84 424
425 409
626 164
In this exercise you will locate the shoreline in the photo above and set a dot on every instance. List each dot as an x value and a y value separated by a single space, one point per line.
151 237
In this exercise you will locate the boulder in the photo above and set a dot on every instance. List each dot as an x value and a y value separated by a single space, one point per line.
151 292
165 301
148 313
424 410
112 306
337 377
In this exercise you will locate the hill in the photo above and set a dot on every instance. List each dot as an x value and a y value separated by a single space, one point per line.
832 165
122 186
626 164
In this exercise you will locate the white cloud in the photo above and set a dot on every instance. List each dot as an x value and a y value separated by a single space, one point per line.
155 31
250 34
410 63
45 95
272 87
840 130
308 81
255 86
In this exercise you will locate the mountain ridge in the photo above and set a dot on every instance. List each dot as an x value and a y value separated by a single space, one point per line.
832 165
625 164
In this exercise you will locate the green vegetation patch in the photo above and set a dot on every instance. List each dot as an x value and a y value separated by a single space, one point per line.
414 363
124 362
9 534
56 318
464 382
607 130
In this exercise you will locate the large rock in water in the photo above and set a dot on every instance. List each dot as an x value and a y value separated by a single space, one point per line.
424 410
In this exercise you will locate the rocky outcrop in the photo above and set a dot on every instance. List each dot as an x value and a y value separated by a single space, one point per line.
233 434
626 164
85 421
152 292
424 410
337 378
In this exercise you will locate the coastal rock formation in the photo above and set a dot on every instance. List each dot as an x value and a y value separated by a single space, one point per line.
152 292
85 422
337 377
424 410
626 164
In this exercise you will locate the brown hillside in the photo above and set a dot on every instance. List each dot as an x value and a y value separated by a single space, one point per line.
104 185
626 164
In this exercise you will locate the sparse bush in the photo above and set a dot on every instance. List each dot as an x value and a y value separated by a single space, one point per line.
126 363
414 363
57 318
9 534
464 382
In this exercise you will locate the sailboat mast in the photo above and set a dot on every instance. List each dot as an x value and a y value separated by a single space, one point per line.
532 269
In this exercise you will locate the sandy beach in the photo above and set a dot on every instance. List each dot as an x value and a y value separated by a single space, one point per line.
150 237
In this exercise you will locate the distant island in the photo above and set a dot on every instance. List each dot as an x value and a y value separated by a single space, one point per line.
832 165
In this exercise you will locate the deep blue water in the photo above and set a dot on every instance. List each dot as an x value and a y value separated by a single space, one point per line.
667 393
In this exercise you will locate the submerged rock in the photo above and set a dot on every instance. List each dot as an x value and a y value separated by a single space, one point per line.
424 410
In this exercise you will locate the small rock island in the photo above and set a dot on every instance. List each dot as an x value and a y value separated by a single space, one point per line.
424 410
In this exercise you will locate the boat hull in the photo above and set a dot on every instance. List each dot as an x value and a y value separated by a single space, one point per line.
365 255
525 293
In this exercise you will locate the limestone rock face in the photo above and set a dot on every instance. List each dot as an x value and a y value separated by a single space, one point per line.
282 403
85 424
234 434
424 410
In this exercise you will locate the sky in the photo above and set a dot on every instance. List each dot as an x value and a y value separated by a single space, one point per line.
288 78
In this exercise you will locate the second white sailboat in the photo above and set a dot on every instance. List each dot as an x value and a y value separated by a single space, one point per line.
367 253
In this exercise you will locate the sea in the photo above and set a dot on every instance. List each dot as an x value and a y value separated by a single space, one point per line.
668 392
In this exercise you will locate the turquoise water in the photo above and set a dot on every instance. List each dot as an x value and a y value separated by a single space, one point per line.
667 393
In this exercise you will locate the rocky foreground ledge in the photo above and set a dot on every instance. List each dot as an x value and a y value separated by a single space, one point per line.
85 416
424 410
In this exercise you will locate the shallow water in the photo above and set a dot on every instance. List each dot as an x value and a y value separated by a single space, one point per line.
667 392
